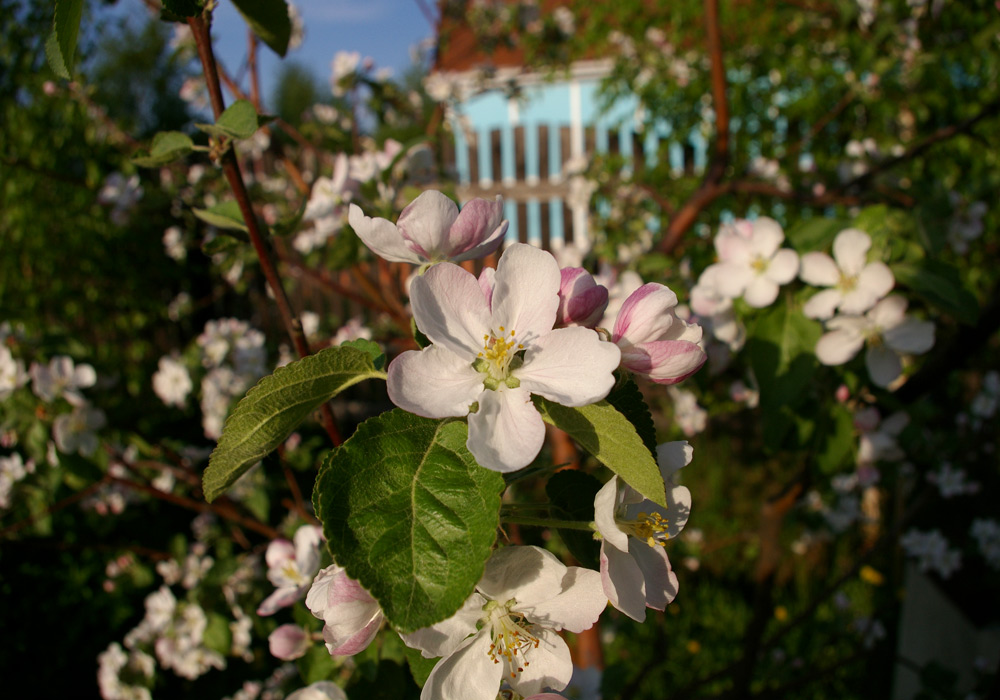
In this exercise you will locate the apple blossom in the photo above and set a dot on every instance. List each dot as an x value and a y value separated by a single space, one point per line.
887 331
12 374
479 330
987 535
289 642
507 629
320 690
431 229
172 382
635 570
654 343
855 287
291 568
61 378
75 431
581 300
752 264
932 551
351 617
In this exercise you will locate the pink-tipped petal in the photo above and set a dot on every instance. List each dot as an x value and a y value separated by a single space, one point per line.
664 361
425 223
382 237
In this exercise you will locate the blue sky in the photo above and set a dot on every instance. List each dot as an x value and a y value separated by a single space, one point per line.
386 30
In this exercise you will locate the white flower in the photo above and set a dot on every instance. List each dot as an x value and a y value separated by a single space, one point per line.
932 552
752 263
321 690
987 536
431 228
172 383
61 378
351 617
855 286
479 329
952 482
888 332
291 568
173 243
689 416
12 374
12 470
507 629
878 437
635 570
344 63
75 432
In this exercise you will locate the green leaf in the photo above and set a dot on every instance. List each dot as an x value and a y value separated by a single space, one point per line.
781 351
317 664
838 440
370 347
572 493
276 405
627 398
167 147
939 285
60 47
217 635
238 121
225 215
408 512
420 668
814 234
608 435
269 20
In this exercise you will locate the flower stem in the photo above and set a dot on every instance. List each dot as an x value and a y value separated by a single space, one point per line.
549 522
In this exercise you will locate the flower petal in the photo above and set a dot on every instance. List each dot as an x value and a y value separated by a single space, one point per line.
467 674
664 361
671 457
623 582
479 229
761 292
443 638
767 236
889 312
381 236
661 581
646 315
433 382
571 366
912 337
506 433
819 270
731 279
579 603
884 365
605 504
526 294
784 266
549 666
850 249
425 223
838 347
450 308
347 638
823 304
528 573
876 279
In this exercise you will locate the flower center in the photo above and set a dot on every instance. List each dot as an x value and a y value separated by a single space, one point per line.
759 264
499 358
649 527
847 283
510 633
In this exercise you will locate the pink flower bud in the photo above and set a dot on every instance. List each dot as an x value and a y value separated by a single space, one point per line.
289 642
843 393
581 300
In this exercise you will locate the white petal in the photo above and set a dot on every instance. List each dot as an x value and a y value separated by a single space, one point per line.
819 270
883 365
426 221
549 666
526 292
579 603
823 304
678 509
877 279
528 573
571 366
731 279
661 581
624 584
281 598
671 457
443 638
767 236
487 280
353 630
784 266
381 236
450 308
838 347
467 674
318 595
850 248
278 553
761 292
506 433
889 312
307 548
605 504
433 382
912 337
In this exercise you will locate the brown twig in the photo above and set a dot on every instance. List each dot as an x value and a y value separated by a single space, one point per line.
55 507
201 30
